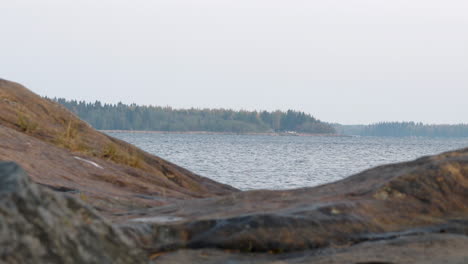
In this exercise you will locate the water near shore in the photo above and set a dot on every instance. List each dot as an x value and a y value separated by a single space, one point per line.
283 162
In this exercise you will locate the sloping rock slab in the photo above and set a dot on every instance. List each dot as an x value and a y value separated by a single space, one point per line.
428 195
38 226
59 150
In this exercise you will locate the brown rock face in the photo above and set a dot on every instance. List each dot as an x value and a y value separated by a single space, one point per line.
429 195
421 249
60 151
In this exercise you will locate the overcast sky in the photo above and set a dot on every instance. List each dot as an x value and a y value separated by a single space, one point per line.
347 61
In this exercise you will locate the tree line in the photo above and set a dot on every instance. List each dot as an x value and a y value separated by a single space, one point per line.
405 129
156 118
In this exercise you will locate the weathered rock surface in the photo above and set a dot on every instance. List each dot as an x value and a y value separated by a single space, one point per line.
421 249
429 195
38 226
64 153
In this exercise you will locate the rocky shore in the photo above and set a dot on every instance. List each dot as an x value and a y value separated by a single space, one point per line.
90 198
62 152
390 214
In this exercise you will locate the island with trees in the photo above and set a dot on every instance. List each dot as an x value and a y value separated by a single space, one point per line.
122 116
404 129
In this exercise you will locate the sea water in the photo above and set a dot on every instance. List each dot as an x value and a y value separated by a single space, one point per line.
283 162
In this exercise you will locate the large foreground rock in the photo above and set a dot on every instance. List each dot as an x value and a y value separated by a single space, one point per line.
38 226
407 200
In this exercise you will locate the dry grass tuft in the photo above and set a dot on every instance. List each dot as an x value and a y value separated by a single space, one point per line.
128 157
70 139
25 124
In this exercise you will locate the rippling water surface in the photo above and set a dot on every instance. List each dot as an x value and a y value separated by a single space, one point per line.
283 162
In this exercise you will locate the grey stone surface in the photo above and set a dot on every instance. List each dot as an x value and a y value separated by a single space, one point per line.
38 226
12 178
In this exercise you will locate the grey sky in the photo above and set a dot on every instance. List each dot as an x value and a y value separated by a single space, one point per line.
348 61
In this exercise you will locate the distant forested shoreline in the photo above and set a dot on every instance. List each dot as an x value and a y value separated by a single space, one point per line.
156 118
404 129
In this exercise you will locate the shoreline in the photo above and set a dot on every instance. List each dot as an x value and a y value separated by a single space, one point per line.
225 133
